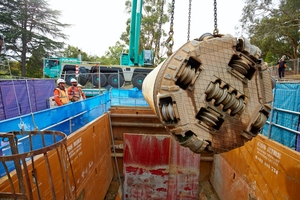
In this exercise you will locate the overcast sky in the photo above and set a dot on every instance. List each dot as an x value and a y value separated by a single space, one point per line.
98 24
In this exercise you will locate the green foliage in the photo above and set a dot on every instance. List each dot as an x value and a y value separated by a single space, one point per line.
73 52
113 54
29 25
273 26
150 37
35 64
33 31
10 68
104 60
271 59
15 68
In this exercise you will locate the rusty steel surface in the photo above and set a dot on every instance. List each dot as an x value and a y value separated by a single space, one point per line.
184 173
261 169
87 173
213 94
27 180
156 167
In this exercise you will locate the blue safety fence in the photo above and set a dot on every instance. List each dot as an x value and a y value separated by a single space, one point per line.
283 123
82 112
53 118
127 97
66 119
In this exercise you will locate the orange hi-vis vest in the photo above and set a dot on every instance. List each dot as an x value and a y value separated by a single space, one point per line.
75 93
60 96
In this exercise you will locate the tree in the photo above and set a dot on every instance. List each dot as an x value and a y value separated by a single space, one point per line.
113 54
28 25
151 32
35 63
273 26
104 60
73 52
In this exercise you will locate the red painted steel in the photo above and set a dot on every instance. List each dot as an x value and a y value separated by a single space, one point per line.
157 167
146 166
184 173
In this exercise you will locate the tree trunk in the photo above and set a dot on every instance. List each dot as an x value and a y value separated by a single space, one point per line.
23 64
295 58
23 56
296 66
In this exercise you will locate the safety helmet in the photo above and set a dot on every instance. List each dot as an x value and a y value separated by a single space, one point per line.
73 80
60 80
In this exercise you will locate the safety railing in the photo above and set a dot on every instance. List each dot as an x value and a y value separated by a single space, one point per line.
283 123
63 119
293 67
59 118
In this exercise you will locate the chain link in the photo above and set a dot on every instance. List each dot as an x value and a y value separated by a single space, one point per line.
172 14
216 31
170 40
189 20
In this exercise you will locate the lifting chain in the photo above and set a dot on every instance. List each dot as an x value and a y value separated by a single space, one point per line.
170 40
157 45
189 20
216 31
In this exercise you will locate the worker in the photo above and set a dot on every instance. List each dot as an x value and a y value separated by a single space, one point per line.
60 93
281 67
75 92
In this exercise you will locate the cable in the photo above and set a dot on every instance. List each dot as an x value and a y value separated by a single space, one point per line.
14 88
113 145
32 115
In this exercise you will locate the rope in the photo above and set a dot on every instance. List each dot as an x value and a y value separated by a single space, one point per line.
114 149
32 115
14 89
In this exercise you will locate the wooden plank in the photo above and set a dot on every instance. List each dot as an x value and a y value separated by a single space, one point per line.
134 120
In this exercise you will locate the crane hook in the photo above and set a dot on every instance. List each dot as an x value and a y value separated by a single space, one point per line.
170 40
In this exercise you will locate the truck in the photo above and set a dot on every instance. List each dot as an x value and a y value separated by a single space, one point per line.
133 68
